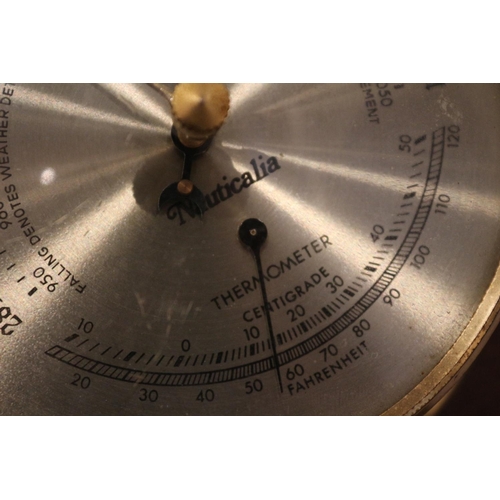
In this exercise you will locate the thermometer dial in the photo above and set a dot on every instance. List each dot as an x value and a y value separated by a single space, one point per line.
136 277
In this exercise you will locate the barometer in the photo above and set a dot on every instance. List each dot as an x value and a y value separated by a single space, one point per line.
245 249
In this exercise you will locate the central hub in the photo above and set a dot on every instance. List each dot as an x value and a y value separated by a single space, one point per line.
199 110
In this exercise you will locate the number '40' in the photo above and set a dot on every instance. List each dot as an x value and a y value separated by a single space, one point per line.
377 231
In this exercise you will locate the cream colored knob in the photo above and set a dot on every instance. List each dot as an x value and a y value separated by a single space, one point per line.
199 110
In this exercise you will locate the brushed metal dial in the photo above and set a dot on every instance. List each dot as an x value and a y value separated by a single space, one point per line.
381 204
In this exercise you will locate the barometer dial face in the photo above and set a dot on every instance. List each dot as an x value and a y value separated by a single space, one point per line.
372 287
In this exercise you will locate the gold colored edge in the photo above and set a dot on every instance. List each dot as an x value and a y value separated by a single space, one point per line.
457 359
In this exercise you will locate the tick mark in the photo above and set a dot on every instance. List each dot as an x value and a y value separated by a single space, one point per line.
10 267
21 279
32 291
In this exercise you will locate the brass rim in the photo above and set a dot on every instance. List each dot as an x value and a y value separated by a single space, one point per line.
457 359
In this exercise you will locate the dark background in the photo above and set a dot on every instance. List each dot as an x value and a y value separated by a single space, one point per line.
478 392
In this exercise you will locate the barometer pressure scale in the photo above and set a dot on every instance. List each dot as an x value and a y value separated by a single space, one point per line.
250 249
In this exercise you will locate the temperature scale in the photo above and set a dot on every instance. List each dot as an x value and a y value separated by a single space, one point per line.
253 249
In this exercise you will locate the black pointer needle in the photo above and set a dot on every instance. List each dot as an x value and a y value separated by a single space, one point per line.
198 111
253 233
184 191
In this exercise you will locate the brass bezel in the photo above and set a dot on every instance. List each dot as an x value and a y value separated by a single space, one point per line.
442 377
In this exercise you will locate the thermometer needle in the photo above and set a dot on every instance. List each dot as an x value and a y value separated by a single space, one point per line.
253 233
